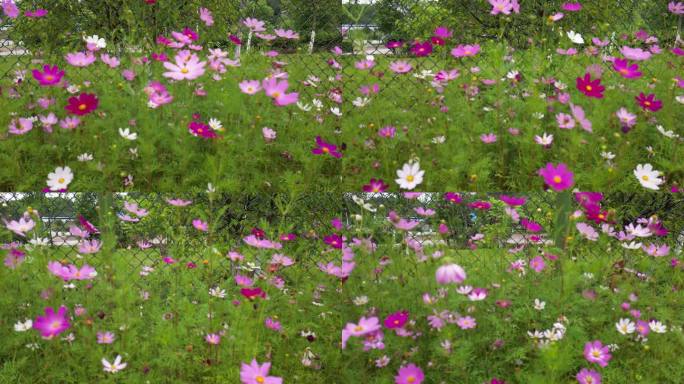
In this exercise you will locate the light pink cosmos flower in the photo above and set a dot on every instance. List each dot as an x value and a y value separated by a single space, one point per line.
179 202
465 50
364 327
636 54
400 67
254 25
488 138
187 66
80 59
89 246
261 243
286 34
212 338
578 114
450 274
587 231
565 121
20 126
21 226
105 337
206 16
111 61
250 87
466 322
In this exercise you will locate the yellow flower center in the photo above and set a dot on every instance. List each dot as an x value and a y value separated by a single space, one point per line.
276 95
647 103
410 178
411 379
49 77
557 179
588 380
596 354
55 325
589 88
358 328
260 379
624 71
644 177
184 70
82 107
61 180
467 52
326 150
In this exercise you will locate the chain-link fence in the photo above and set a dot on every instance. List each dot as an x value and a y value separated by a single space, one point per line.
147 230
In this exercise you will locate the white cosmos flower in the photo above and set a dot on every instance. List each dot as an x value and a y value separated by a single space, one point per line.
656 326
217 292
544 139
665 133
96 41
575 37
23 326
625 326
648 177
539 305
361 101
360 300
127 134
438 140
335 111
409 176
215 124
608 155
317 103
114 367
303 107
632 245
85 157
60 178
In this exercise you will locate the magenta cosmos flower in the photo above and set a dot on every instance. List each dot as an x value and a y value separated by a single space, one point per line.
82 104
50 76
453 197
375 185
199 129
595 352
591 88
421 49
649 102
334 241
200 225
465 50
253 373
52 324
512 201
325 148
626 70
572 7
450 274
588 376
409 374
396 319
557 177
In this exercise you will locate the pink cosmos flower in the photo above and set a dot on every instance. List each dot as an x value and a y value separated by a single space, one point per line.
401 223
277 91
286 34
409 374
557 177
40 12
89 246
626 70
649 102
199 129
394 44
253 293
501 6
587 231
595 352
80 59
513 201
466 322
52 324
488 138
676 8
105 337
273 324
588 376
257 374
400 67
200 225
627 119
531 226
82 104
261 243
537 264
591 88
212 338
453 197
186 66
465 50
442 32
50 76
179 202
450 274
565 121
324 148
206 16
364 327
10 9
